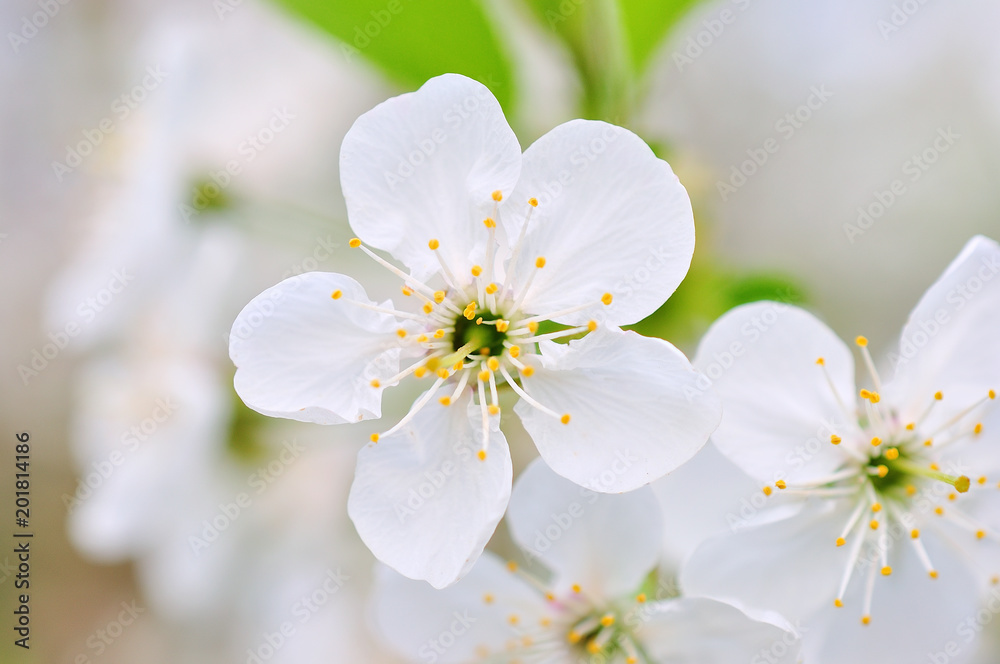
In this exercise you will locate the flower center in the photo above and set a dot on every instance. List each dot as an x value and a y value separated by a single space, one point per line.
482 334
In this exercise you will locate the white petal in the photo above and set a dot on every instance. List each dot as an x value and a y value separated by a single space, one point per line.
636 412
705 496
424 165
711 632
452 625
912 614
422 500
778 409
605 543
792 566
950 341
301 354
611 218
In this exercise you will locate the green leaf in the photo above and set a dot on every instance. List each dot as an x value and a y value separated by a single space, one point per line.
647 23
414 40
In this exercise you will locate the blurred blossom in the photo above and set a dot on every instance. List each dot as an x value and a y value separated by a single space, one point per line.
850 144
602 603
893 541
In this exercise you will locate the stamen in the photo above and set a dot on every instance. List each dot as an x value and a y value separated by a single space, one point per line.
852 561
417 406
524 395
862 343
486 417
382 310
989 397
413 368
961 483
515 254
407 279
866 615
539 264
836 395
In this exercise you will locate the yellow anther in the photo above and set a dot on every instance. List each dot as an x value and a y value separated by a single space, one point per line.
915 533
606 298
533 202
875 397
841 541
980 534
545 622
479 321
933 574
982 480
575 587
375 383
443 372
593 647
938 396
911 490
427 308
607 620
407 291
631 660
873 524
528 371
767 491
373 437
514 351
337 294
481 454
865 394
513 619
911 426
861 341
420 372
354 243
992 394
962 484
866 620
550 596
592 325
476 270
445 401
493 363
839 603
892 454
876 507
497 196
978 429
564 419
995 580
438 334
492 288
886 571
952 496
457 366
439 296
540 262
493 409
488 598
876 441
820 361
882 470
641 598
422 338
433 245
503 325
484 376
939 511
527 641
489 223
401 333
533 327
511 566
574 636
934 466
835 439
781 484
929 442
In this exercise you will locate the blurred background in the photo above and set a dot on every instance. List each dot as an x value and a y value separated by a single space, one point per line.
163 162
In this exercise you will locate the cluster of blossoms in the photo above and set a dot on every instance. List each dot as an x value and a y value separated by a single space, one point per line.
519 271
